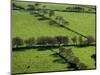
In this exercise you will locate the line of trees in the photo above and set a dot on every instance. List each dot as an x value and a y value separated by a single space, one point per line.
37 8
81 9
17 7
73 61
17 41
61 20
75 9
57 40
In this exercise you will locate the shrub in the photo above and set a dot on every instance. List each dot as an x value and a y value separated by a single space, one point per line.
80 40
62 40
61 50
74 60
31 7
46 41
82 66
51 13
90 40
51 22
17 41
75 9
30 42
74 40
65 52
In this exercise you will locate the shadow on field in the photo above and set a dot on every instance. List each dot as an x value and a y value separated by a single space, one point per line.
59 60
43 48
62 60
42 17
72 66
74 31
39 48
55 55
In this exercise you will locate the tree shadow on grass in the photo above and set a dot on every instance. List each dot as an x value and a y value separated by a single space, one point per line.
46 48
86 45
21 48
73 31
72 66
62 60
59 60
36 15
39 48
55 55
59 25
43 48
43 18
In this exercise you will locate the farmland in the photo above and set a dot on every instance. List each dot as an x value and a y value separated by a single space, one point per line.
26 25
36 25
42 61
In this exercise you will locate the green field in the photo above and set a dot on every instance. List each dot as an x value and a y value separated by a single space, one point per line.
53 6
42 61
34 27
84 23
25 25
80 22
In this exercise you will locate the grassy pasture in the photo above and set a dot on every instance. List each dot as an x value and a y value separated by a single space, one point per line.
53 6
41 61
25 26
37 60
80 22
83 23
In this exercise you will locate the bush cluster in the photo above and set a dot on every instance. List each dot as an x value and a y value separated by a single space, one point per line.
51 41
73 61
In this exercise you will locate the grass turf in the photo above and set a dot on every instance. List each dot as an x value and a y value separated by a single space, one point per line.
25 26
43 61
